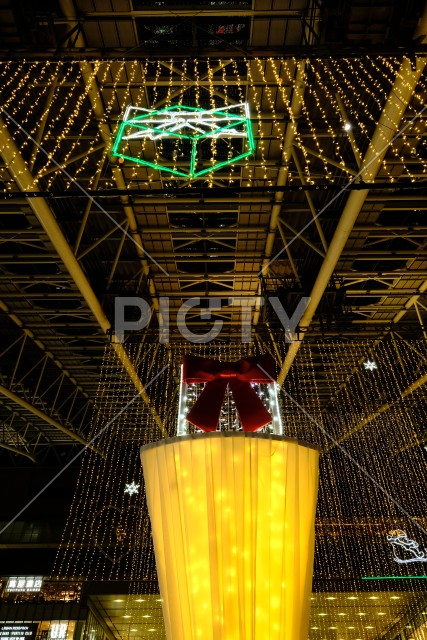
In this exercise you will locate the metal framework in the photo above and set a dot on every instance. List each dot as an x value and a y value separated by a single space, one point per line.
66 256
329 206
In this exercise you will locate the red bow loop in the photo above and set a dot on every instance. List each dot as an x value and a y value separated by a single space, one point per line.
238 376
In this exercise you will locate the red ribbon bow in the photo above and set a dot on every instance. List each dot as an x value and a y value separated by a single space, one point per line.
238 377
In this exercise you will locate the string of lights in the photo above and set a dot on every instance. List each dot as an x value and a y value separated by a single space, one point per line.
363 87
108 532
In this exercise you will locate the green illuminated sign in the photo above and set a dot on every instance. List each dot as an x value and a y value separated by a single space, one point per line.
192 134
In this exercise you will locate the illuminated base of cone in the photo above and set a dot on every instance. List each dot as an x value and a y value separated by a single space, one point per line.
233 526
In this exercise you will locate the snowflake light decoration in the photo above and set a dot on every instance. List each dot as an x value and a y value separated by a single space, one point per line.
370 365
186 134
132 488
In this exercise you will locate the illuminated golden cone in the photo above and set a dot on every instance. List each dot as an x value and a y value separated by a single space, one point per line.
233 525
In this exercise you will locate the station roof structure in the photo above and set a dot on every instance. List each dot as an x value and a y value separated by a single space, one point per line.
328 205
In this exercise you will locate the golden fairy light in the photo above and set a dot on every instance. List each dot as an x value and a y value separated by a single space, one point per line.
62 110
354 515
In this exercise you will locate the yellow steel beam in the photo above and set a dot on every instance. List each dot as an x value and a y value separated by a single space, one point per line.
25 181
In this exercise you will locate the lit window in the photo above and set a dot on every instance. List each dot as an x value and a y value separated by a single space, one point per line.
58 630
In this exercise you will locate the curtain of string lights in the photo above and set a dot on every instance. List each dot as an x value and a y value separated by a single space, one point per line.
371 429
50 100
373 463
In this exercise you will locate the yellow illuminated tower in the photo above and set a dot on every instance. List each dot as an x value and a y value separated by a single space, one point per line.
232 515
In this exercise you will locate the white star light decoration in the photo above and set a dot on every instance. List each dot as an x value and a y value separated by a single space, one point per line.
370 365
132 488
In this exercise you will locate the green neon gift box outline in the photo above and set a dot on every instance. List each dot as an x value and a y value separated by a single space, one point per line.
232 121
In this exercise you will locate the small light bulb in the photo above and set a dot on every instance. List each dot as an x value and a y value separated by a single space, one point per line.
347 126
